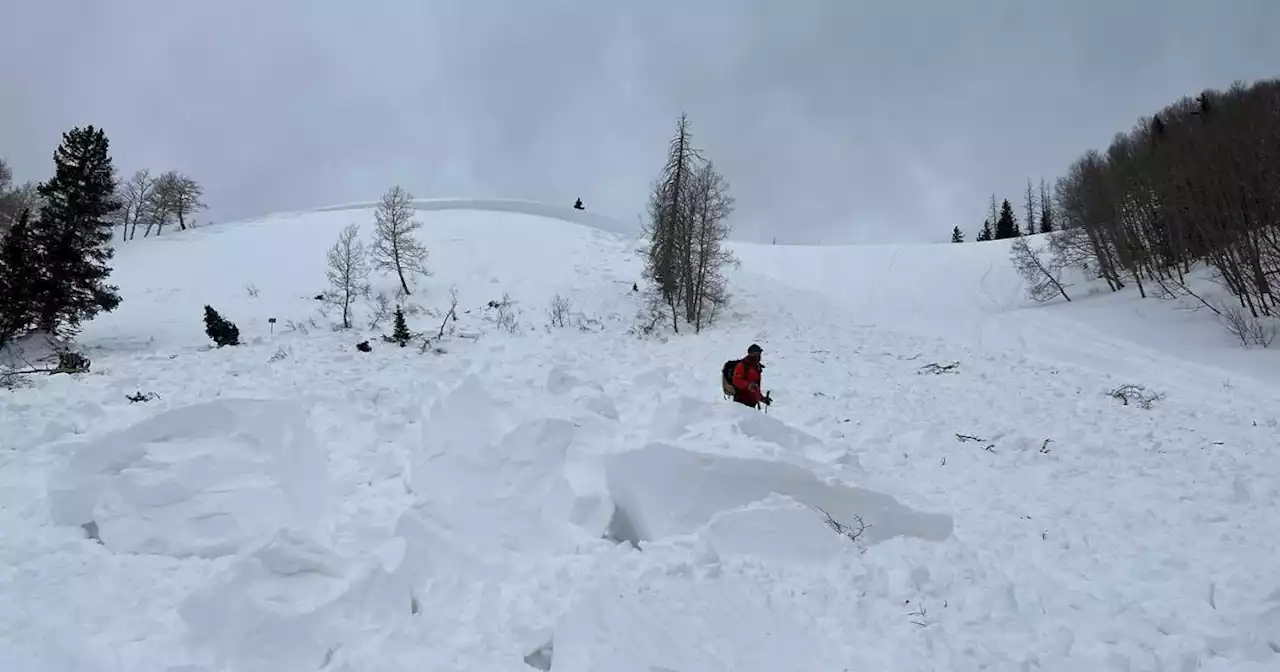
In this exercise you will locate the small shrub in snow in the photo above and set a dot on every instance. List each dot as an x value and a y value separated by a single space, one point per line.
141 397
1249 330
222 331
280 355
72 362
1136 394
252 290
379 310
363 346
558 312
504 316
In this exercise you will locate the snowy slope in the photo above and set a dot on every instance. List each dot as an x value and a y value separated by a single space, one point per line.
583 499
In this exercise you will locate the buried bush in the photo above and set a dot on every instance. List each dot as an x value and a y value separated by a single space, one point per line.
222 331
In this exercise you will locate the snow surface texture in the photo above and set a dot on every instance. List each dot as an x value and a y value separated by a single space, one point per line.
578 498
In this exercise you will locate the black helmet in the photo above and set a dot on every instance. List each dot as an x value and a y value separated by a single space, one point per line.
754 349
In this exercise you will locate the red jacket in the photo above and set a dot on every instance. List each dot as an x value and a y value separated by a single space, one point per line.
746 380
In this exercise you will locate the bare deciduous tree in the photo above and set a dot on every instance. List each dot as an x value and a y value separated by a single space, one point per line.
13 200
178 196
710 207
394 247
137 198
348 272
1043 277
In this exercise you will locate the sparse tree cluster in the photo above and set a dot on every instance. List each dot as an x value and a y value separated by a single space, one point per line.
394 249
1001 222
687 231
54 263
1193 183
156 201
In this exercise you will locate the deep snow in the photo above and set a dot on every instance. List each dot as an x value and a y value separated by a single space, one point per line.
584 499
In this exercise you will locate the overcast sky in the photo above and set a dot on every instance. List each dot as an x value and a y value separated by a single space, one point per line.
834 120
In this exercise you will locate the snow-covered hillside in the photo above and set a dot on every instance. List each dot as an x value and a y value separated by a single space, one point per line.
582 499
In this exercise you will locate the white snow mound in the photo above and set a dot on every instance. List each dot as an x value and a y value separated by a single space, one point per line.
208 480
661 491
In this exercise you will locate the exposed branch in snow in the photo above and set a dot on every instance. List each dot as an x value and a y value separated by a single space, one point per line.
919 616
937 369
452 313
141 397
965 438
851 532
1137 394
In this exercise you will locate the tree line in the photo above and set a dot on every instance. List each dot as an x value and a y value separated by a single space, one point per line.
1196 183
1199 181
154 201
54 258
1001 222
55 236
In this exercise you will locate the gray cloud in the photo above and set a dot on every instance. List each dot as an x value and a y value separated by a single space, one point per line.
835 120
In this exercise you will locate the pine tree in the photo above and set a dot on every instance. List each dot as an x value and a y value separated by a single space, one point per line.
18 279
1007 225
400 332
986 233
669 229
957 236
73 234
1047 220
1031 209
222 331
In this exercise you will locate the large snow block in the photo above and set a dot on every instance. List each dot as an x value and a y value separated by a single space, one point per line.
273 608
664 491
776 528
210 479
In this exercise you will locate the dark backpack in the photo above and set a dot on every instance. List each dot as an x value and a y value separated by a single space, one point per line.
726 377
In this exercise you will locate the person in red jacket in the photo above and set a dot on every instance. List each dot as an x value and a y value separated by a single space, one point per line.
746 379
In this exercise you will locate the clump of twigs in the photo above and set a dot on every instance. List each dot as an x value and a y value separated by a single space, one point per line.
1137 394
938 369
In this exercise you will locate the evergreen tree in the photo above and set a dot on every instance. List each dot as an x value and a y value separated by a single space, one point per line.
985 234
956 235
72 237
18 275
1007 225
400 333
222 331
670 229
1047 220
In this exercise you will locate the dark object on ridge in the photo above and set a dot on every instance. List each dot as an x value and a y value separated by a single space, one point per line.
577 205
